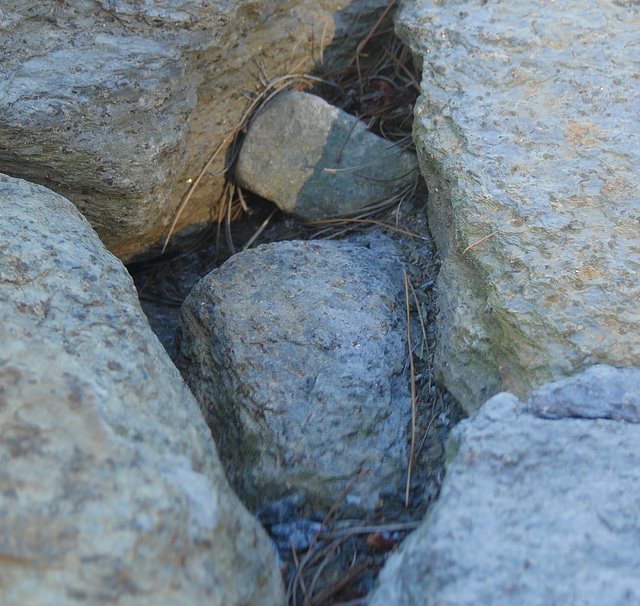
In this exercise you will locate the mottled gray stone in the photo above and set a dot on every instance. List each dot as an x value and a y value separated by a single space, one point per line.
111 490
601 393
533 510
528 126
119 104
297 138
296 352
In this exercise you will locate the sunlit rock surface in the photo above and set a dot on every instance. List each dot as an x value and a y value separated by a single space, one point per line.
118 105
527 131
111 490
539 505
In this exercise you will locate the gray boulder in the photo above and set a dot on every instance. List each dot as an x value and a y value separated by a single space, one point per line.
296 352
527 130
298 140
111 488
118 105
534 510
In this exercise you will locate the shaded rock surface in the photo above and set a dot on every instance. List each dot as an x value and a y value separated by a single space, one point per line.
295 143
528 127
533 510
118 104
112 491
296 352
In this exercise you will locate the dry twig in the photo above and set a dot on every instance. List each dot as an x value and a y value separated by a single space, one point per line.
480 241
339 500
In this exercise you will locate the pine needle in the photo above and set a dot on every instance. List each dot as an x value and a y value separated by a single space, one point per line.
372 221
480 241
262 98
413 392
339 500
362 44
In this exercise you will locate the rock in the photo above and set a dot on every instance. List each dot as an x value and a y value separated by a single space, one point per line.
532 510
598 394
312 139
296 352
527 130
112 491
118 105
282 510
299 533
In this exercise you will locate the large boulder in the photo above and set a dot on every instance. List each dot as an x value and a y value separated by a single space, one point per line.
297 353
111 488
527 132
119 104
539 506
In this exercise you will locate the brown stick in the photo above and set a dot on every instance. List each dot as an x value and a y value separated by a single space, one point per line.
335 505
480 241
370 34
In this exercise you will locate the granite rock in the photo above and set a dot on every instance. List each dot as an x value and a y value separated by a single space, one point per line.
118 105
526 131
296 352
533 510
296 142
111 490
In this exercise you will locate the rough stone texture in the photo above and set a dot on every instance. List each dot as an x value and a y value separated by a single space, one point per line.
600 393
528 125
533 511
110 487
117 104
296 352
296 137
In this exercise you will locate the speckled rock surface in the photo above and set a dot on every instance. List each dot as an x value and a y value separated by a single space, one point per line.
533 510
298 138
117 104
111 488
296 351
528 127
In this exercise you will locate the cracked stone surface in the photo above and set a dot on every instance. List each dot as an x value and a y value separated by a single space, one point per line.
527 129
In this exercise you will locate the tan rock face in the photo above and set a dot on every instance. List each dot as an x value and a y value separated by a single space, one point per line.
110 486
527 132
117 105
